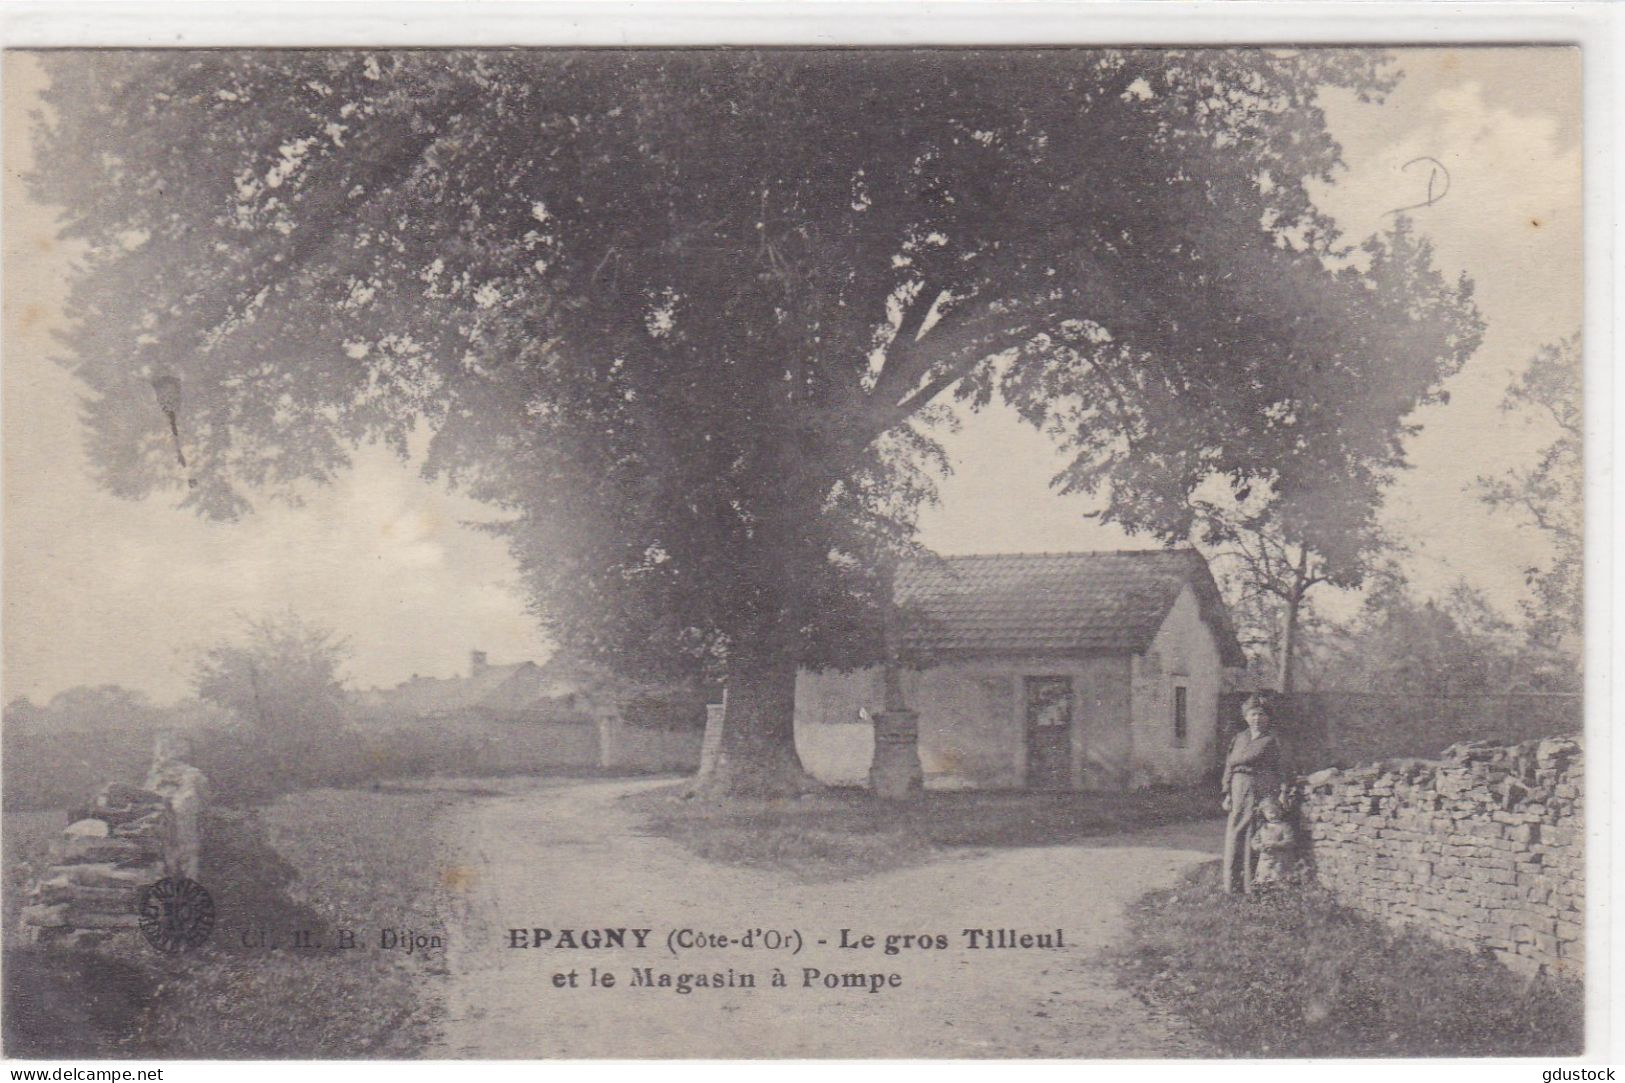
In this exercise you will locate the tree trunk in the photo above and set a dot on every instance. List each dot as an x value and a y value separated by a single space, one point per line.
1289 644
757 756
1289 637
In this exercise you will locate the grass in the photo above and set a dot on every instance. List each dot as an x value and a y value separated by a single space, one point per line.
842 832
1293 974
322 860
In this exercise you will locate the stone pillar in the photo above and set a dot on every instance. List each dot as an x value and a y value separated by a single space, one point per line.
713 737
895 772
182 785
607 723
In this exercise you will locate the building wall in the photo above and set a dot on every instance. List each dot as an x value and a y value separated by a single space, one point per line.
972 720
1184 653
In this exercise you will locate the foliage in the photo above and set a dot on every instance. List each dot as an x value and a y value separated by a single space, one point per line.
58 754
281 678
105 708
1455 646
1293 974
1552 492
690 317
1267 577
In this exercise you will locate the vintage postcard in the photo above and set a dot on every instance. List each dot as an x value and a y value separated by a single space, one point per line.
786 552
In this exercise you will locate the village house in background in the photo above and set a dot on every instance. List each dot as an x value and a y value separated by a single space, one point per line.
585 716
1046 671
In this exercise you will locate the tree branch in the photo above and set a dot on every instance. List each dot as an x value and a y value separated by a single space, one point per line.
905 363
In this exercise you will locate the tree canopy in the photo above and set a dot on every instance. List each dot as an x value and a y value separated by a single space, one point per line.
1551 493
280 677
1454 645
692 318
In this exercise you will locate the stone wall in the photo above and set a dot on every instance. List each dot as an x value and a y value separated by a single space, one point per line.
635 749
127 838
1482 849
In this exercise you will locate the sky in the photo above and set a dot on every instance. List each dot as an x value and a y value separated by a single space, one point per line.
101 590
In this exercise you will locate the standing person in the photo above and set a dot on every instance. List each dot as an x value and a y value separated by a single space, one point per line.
1252 772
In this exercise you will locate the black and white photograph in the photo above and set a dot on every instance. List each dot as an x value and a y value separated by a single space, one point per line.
1058 551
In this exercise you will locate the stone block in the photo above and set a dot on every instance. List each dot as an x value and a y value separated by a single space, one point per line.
71 939
1554 750
75 849
118 803
42 914
101 875
57 889
152 824
90 901
1520 964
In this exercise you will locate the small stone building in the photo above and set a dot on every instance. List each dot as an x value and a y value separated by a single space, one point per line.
1043 671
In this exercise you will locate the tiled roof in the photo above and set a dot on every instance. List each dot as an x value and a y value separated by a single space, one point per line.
1052 602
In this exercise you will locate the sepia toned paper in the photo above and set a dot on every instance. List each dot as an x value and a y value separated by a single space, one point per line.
356 450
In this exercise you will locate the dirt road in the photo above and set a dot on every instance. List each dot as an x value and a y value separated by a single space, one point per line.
566 856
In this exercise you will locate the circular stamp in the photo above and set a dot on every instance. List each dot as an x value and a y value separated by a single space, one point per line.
177 914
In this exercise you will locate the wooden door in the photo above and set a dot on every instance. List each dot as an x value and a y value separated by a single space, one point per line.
1049 732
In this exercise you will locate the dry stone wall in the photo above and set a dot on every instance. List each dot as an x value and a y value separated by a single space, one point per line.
127 838
1482 849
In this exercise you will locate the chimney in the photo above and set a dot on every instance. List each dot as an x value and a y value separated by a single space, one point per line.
476 663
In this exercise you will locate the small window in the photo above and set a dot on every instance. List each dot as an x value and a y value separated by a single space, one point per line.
1049 703
1181 717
